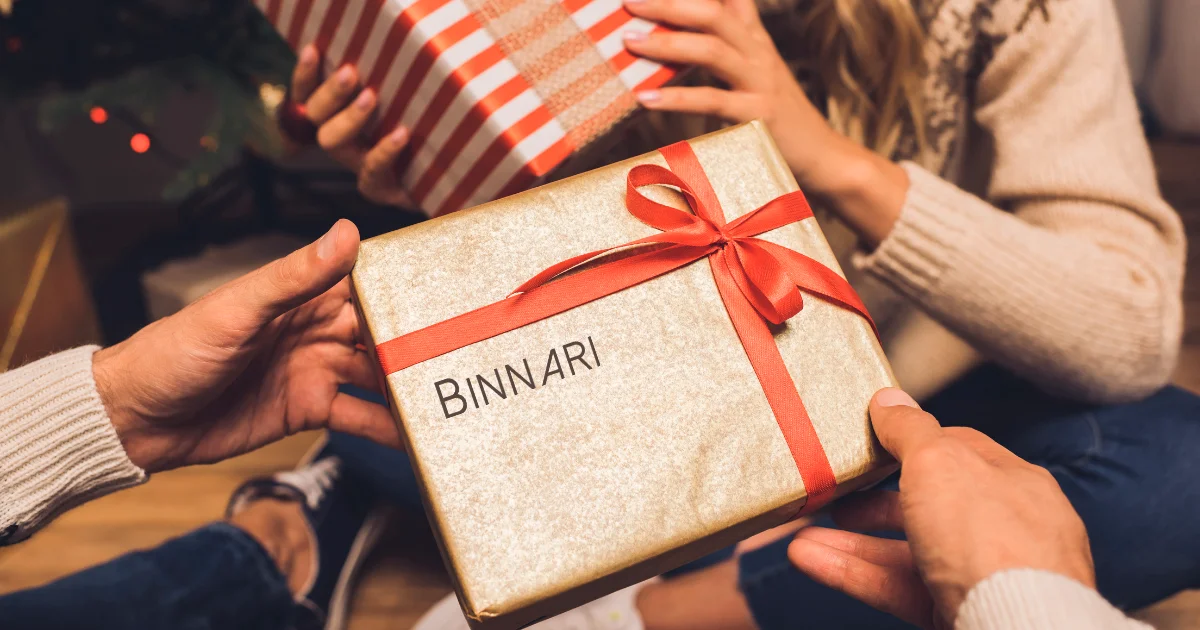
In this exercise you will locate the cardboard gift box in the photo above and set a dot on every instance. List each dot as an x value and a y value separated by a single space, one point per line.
495 93
584 435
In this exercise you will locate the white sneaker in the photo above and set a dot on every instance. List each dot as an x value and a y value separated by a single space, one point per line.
617 611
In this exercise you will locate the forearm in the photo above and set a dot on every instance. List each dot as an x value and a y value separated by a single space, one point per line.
57 446
867 193
1045 299
1037 600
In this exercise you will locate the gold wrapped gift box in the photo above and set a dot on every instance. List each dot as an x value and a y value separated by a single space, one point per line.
624 437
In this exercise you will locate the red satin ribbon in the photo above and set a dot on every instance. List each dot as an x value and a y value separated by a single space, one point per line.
759 282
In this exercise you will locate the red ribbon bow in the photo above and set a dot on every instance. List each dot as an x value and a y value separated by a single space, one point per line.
759 282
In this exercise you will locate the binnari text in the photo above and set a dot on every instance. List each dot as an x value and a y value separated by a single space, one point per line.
480 390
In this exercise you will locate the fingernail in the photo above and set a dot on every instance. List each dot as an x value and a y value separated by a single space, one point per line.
345 76
895 397
308 56
635 2
649 97
328 243
398 136
365 99
635 36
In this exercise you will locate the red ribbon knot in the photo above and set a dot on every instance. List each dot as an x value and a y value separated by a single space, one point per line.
759 282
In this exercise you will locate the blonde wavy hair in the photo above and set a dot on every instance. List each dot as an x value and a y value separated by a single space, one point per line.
865 59
862 60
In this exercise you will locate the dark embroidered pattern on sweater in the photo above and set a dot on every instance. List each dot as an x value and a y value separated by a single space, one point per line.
962 37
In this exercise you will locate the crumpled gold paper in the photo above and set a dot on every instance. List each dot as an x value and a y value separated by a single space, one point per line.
663 448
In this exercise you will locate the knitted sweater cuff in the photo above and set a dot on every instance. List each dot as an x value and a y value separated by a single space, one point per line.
1036 600
57 446
922 243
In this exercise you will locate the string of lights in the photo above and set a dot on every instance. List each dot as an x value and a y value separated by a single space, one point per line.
124 59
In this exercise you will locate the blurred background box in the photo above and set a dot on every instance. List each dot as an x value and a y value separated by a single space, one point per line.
1162 51
1173 82
1138 21
45 302
178 283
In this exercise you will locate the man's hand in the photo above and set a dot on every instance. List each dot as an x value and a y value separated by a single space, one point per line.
969 507
258 359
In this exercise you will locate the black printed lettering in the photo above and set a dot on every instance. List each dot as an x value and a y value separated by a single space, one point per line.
471 388
553 359
443 398
455 402
497 389
572 358
594 355
528 373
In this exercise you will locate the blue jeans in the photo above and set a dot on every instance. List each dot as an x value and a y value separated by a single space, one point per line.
1130 470
215 578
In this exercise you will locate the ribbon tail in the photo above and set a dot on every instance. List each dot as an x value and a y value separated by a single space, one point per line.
764 281
794 422
558 269
555 270
812 276
540 303
778 212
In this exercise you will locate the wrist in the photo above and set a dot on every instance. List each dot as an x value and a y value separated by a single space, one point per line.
863 188
111 380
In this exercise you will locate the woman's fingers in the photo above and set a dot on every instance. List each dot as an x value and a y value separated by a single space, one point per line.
307 74
896 590
332 95
340 136
745 10
882 551
698 49
377 179
705 16
734 106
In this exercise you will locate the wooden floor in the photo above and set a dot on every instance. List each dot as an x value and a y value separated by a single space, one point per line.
405 576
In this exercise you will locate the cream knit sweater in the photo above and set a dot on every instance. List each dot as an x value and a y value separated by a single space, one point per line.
57 447
1034 229
58 450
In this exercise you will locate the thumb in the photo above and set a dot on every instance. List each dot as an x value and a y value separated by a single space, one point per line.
900 424
278 287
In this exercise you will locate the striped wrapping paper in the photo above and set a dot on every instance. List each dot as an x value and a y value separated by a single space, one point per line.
495 93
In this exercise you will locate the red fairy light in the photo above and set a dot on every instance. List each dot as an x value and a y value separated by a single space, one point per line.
140 143
99 115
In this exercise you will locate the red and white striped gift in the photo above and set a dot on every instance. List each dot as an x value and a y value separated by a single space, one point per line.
495 93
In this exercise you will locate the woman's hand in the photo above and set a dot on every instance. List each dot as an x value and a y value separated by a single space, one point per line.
258 359
341 112
969 507
728 39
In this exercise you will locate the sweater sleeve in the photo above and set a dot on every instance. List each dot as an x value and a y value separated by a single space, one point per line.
57 446
1078 284
1038 600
